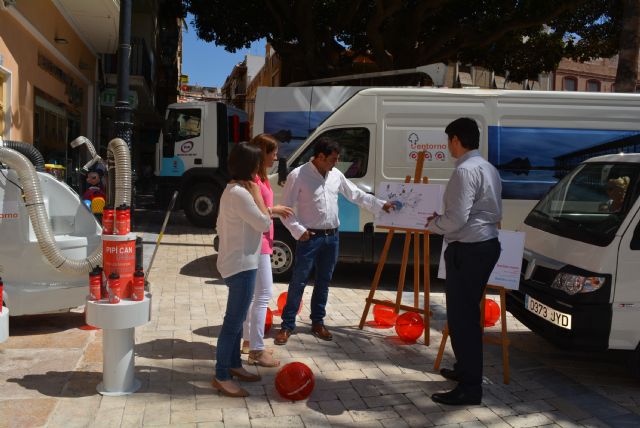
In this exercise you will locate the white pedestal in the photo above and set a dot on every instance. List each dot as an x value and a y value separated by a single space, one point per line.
4 324
118 322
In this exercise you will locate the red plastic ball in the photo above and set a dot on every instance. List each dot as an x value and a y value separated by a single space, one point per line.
282 301
295 381
268 321
409 326
384 316
491 312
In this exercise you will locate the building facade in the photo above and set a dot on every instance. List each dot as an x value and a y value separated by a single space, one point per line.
154 69
49 56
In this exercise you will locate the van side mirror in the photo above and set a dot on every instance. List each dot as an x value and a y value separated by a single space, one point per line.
282 171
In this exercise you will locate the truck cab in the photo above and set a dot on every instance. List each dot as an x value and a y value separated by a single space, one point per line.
191 156
579 285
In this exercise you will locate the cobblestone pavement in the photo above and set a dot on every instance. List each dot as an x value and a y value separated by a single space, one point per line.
49 368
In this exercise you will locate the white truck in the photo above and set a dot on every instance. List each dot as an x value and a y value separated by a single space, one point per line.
532 137
580 286
191 156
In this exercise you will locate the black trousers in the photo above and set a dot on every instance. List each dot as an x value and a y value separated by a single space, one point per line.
468 266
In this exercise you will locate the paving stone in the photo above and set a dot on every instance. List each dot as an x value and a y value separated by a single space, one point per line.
386 400
532 407
525 421
278 422
452 415
373 414
236 417
412 416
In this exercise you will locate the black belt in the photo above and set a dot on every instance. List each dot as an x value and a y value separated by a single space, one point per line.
471 244
323 231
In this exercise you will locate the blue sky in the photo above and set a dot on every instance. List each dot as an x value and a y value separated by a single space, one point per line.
207 64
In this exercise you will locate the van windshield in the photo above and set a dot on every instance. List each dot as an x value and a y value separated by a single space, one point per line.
589 203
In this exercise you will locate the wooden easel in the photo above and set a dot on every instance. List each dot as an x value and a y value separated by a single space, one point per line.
409 234
502 340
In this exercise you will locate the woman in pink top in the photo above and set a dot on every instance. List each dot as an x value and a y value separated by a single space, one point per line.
253 331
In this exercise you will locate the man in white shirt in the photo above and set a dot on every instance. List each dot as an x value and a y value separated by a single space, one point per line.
313 190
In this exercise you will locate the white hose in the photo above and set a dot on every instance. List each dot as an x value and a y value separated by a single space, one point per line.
40 219
118 158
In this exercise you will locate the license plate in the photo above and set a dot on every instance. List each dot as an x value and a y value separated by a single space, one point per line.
545 312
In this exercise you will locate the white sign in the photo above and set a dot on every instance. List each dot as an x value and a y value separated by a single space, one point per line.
433 143
506 273
413 203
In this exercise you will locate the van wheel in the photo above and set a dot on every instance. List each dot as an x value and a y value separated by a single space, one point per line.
201 205
284 251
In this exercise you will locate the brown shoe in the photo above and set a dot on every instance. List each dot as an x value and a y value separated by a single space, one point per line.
282 337
224 391
321 332
244 375
245 347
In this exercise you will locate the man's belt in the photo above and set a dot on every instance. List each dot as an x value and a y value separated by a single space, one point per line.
323 231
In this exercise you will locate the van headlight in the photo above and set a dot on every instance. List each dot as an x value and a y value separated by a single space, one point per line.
573 284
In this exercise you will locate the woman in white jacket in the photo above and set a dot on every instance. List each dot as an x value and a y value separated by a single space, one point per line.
242 219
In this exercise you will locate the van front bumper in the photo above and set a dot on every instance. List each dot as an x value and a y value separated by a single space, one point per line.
590 324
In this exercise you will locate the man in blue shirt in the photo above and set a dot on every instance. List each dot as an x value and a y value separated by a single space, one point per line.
472 213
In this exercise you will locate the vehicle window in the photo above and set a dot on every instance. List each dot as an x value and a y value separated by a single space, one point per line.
185 123
589 204
181 124
354 151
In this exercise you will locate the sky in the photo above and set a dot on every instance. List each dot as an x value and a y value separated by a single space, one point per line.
207 64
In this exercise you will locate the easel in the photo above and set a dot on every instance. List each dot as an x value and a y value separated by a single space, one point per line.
500 340
409 233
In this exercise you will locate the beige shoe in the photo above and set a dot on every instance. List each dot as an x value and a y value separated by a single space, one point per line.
245 347
263 359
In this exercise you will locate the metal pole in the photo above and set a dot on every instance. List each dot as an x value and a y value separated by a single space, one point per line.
123 125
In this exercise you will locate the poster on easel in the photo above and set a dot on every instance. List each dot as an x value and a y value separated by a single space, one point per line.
412 202
506 273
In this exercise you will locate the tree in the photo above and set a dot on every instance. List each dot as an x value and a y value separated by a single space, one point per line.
318 38
627 74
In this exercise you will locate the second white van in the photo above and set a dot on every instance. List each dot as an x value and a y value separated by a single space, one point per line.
532 137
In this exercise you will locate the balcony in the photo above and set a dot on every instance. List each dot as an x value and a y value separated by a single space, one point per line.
141 66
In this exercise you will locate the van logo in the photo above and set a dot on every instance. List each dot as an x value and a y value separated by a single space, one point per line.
528 273
186 147
440 156
8 215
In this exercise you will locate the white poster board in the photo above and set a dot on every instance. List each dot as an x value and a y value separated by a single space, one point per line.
506 273
413 203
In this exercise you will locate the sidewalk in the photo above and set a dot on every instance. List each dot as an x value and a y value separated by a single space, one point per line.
49 369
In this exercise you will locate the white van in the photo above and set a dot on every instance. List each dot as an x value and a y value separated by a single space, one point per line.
532 137
580 286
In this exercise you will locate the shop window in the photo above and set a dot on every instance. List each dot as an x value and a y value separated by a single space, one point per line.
593 86
50 129
569 84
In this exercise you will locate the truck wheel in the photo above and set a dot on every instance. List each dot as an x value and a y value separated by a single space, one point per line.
284 251
201 205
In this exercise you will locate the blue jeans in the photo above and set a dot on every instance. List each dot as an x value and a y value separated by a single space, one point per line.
320 251
241 286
